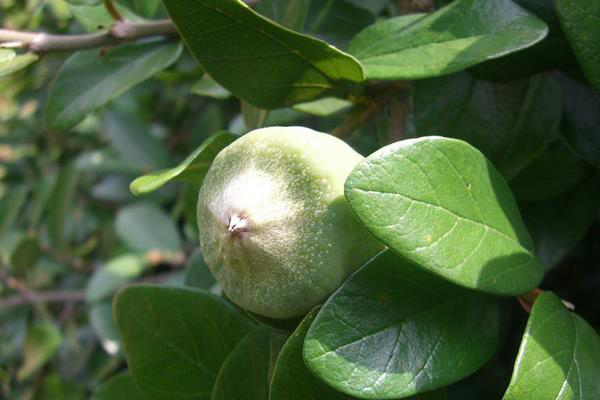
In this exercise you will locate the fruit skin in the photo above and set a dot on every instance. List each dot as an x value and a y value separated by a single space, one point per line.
275 228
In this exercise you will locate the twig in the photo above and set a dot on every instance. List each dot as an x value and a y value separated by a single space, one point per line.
112 10
120 32
58 296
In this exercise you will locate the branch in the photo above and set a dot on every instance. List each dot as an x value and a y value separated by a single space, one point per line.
58 296
120 32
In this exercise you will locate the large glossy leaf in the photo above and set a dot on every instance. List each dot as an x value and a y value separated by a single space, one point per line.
440 203
90 79
192 169
457 36
582 111
510 123
291 378
246 373
12 62
393 330
259 61
177 339
119 387
145 227
559 357
580 20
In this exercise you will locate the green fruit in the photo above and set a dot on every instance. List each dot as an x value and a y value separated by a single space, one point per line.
275 228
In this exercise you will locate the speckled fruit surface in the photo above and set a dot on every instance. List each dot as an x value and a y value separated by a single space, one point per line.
275 228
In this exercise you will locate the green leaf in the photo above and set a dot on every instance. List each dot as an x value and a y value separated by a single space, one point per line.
580 20
557 226
324 107
246 373
56 387
11 205
197 274
337 21
192 169
510 123
441 204
12 62
144 8
103 325
41 344
94 17
461 34
119 387
581 109
288 13
291 378
110 277
177 339
209 88
145 227
133 143
559 356
90 79
25 255
254 117
61 203
393 330
259 61
554 172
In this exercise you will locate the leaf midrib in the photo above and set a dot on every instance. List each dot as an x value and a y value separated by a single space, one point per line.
439 207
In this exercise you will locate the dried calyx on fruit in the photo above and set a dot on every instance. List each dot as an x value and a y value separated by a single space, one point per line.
275 228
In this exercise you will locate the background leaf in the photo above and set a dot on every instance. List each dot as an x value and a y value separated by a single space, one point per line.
191 330
192 169
393 330
12 62
582 120
145 227
510 123
457 36
90 79
580 20
110 277
441 204
558 225
291 378
259 349
119 387
233 43
556 366
197 274
288 13
41 344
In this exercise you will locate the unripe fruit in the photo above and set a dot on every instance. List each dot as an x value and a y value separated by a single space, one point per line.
275 228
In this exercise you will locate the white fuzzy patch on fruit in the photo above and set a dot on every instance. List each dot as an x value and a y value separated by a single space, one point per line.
251 200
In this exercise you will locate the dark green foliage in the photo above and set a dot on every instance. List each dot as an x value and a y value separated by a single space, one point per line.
480 121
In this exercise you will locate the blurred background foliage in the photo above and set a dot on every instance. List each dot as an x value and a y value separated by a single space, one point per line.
71 233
